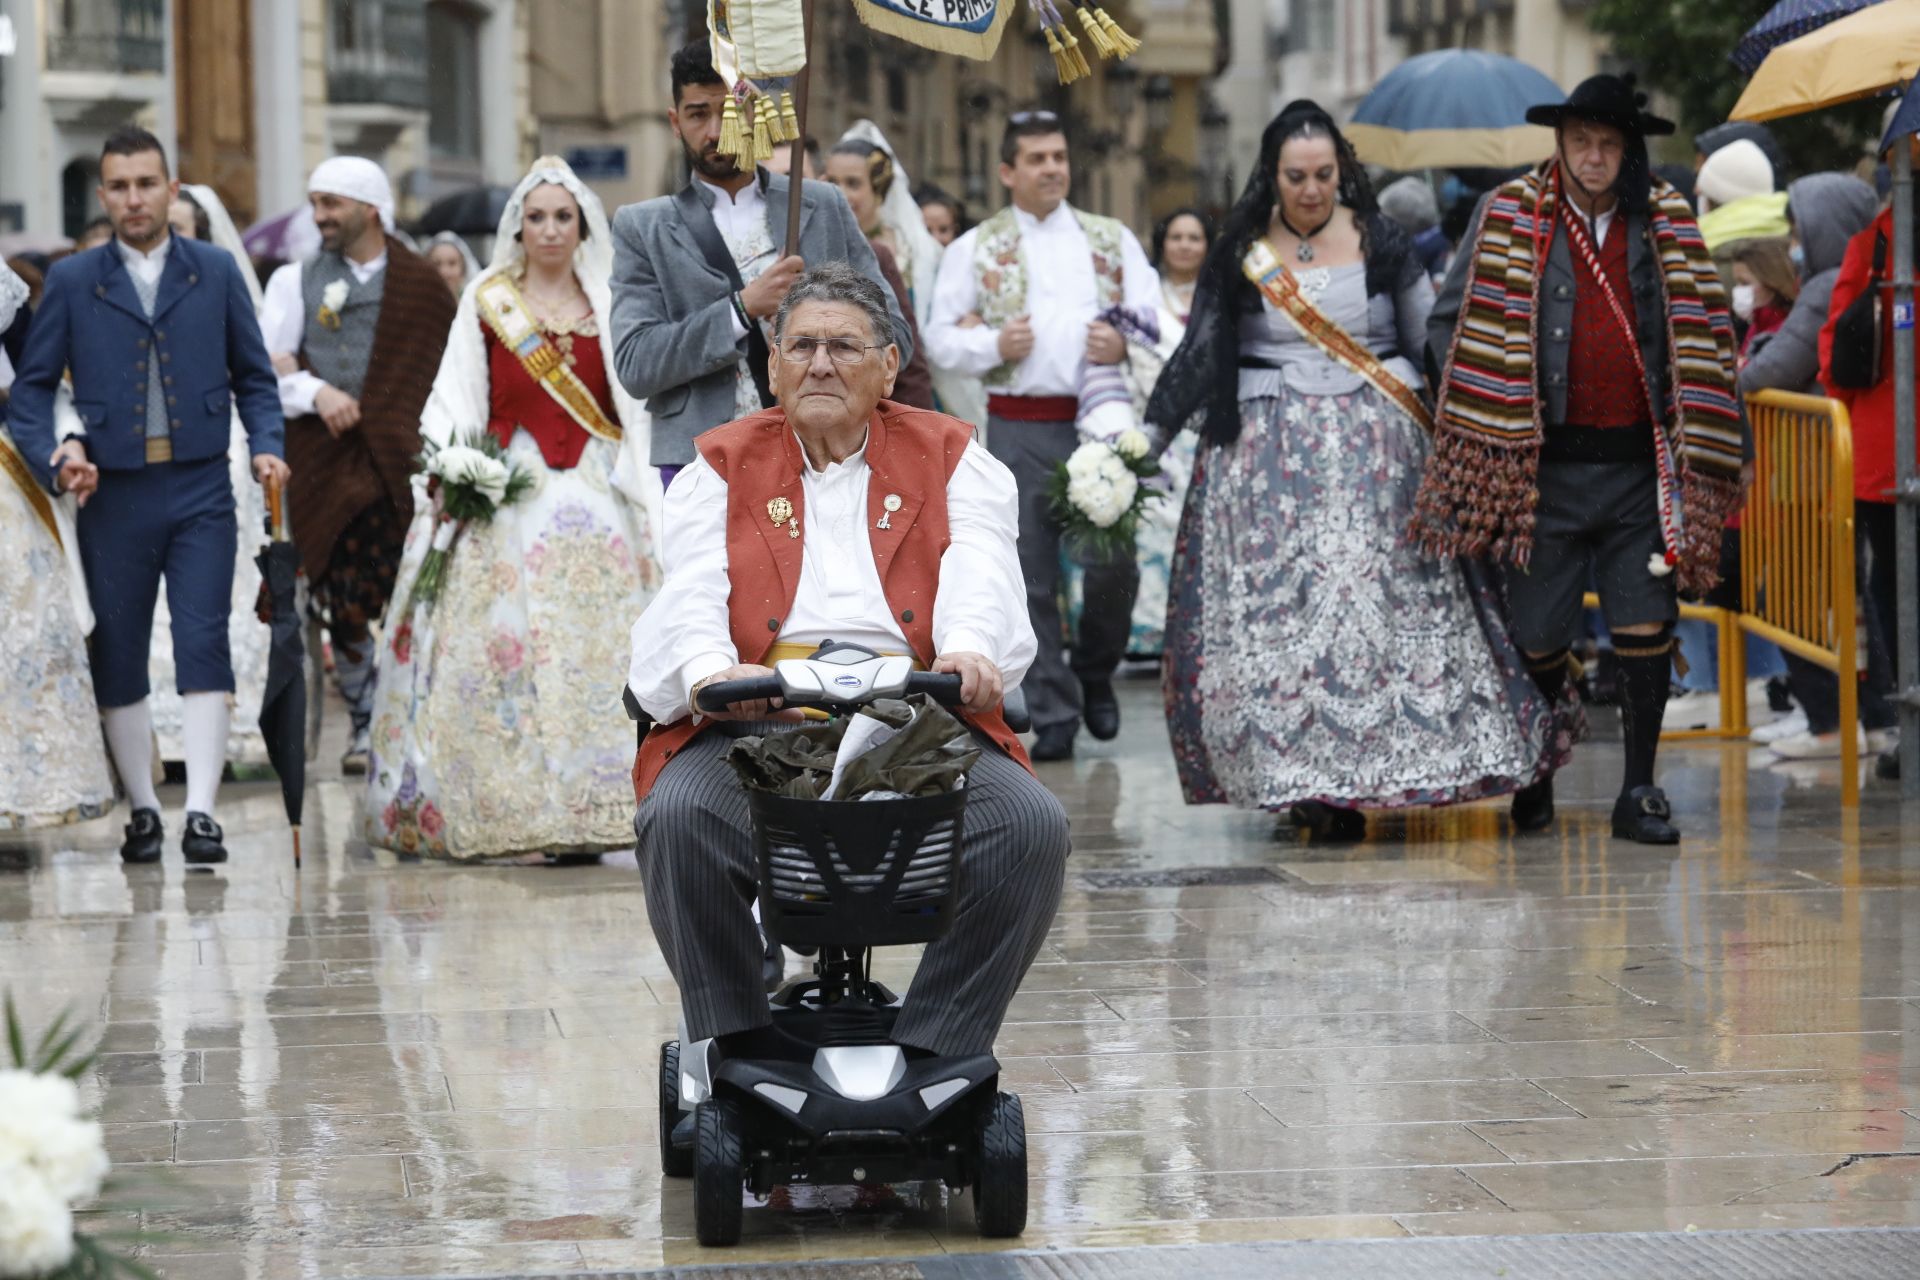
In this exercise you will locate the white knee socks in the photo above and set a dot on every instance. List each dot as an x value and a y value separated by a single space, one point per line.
205 716
130 738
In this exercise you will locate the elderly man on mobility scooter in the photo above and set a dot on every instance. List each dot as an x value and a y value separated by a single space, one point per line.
837 516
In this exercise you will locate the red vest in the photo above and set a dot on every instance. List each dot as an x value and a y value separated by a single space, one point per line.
1604 387
911 453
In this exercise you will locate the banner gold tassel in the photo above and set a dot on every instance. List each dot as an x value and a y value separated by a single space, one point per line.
732 139
1074 51
1063 64
1125 45
788 118
1096 35
762 130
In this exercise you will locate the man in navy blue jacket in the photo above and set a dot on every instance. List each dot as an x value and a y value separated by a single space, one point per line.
161 340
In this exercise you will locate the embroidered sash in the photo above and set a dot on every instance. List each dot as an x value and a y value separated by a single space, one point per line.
1279 286
22 475
511 320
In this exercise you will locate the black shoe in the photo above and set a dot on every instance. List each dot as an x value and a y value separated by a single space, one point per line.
202 841
1055 742
1533 806
1100 709
1329 821
1887 767
145 837
1643 816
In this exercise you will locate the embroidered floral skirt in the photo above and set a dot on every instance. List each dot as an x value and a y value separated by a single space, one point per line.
53 761
498 727
1312 654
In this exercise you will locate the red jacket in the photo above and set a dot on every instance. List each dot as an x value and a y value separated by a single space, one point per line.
1872 410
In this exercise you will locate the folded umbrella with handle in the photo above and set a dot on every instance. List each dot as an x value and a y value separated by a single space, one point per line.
283 708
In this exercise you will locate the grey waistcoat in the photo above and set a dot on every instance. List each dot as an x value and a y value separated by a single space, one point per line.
339 357
157 424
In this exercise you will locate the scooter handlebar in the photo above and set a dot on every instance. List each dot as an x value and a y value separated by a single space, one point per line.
942 688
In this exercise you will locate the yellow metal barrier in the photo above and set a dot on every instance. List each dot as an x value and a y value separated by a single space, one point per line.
1797 585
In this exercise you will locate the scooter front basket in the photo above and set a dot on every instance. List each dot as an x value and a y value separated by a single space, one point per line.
855 873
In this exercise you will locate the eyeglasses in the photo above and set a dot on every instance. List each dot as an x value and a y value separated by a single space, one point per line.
840 350
1033 117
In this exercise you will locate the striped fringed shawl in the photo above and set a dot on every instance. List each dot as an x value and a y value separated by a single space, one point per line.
1480 488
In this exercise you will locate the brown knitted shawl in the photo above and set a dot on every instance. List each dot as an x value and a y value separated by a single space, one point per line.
335 480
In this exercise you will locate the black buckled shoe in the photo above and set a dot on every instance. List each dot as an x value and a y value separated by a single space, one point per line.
1329 821
202 842
1533 806
145 836
1100 709
1644 816
1054 742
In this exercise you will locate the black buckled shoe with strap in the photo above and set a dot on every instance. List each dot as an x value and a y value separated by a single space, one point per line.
203 841
145 836
1644 816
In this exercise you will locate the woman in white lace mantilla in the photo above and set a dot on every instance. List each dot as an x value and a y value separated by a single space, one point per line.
497 728
53 763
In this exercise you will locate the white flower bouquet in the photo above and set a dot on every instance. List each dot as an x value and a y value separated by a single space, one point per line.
471 480
51 1159
1099 492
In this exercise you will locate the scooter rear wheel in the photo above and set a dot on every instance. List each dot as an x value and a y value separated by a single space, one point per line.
1000 1169
719 1175
675 1162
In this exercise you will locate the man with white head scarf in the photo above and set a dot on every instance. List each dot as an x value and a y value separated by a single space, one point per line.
357 333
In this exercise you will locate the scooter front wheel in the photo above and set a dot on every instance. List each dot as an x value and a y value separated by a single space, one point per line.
719 1175
1000 1169
675 1162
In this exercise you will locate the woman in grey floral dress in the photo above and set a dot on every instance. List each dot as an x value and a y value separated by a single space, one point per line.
1316 663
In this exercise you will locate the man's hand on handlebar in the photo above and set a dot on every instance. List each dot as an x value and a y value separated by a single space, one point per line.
764 709
980 685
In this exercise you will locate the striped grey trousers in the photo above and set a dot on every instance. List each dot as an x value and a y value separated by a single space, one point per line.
696 858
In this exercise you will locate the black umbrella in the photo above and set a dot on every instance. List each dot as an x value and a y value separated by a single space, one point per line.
473 212
283 709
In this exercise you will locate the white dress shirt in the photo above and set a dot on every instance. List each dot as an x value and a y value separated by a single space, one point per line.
980 604
145 267
1062 299
283 320
736 216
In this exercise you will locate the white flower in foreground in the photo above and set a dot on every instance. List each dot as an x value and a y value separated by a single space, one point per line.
1131 444
25 1096
36 1226
334 296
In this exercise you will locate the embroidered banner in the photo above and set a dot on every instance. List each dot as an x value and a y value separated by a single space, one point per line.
506 313
971 28
1270 275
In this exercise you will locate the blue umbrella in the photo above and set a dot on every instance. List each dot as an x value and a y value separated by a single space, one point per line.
1789 20
1906 118
1454 108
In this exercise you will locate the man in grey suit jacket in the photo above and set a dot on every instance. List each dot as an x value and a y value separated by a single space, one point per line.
697 274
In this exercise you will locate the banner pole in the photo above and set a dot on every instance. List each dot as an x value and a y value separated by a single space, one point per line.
796 170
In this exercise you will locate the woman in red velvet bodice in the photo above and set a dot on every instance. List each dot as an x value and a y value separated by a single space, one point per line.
516 400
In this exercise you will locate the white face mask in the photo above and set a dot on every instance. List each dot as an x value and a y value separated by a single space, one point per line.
1743 301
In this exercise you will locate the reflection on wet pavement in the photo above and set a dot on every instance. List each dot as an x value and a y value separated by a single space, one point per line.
388 1068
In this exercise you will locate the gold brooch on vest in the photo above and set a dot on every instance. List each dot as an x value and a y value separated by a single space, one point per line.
892 504
781 512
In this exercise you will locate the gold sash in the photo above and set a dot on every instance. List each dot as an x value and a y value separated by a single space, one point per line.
508 315
16 468
1278 285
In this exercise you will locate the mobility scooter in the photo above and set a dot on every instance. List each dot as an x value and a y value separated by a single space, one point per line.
846 1106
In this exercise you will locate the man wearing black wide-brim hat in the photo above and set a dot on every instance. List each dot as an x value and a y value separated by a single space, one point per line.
1587 427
